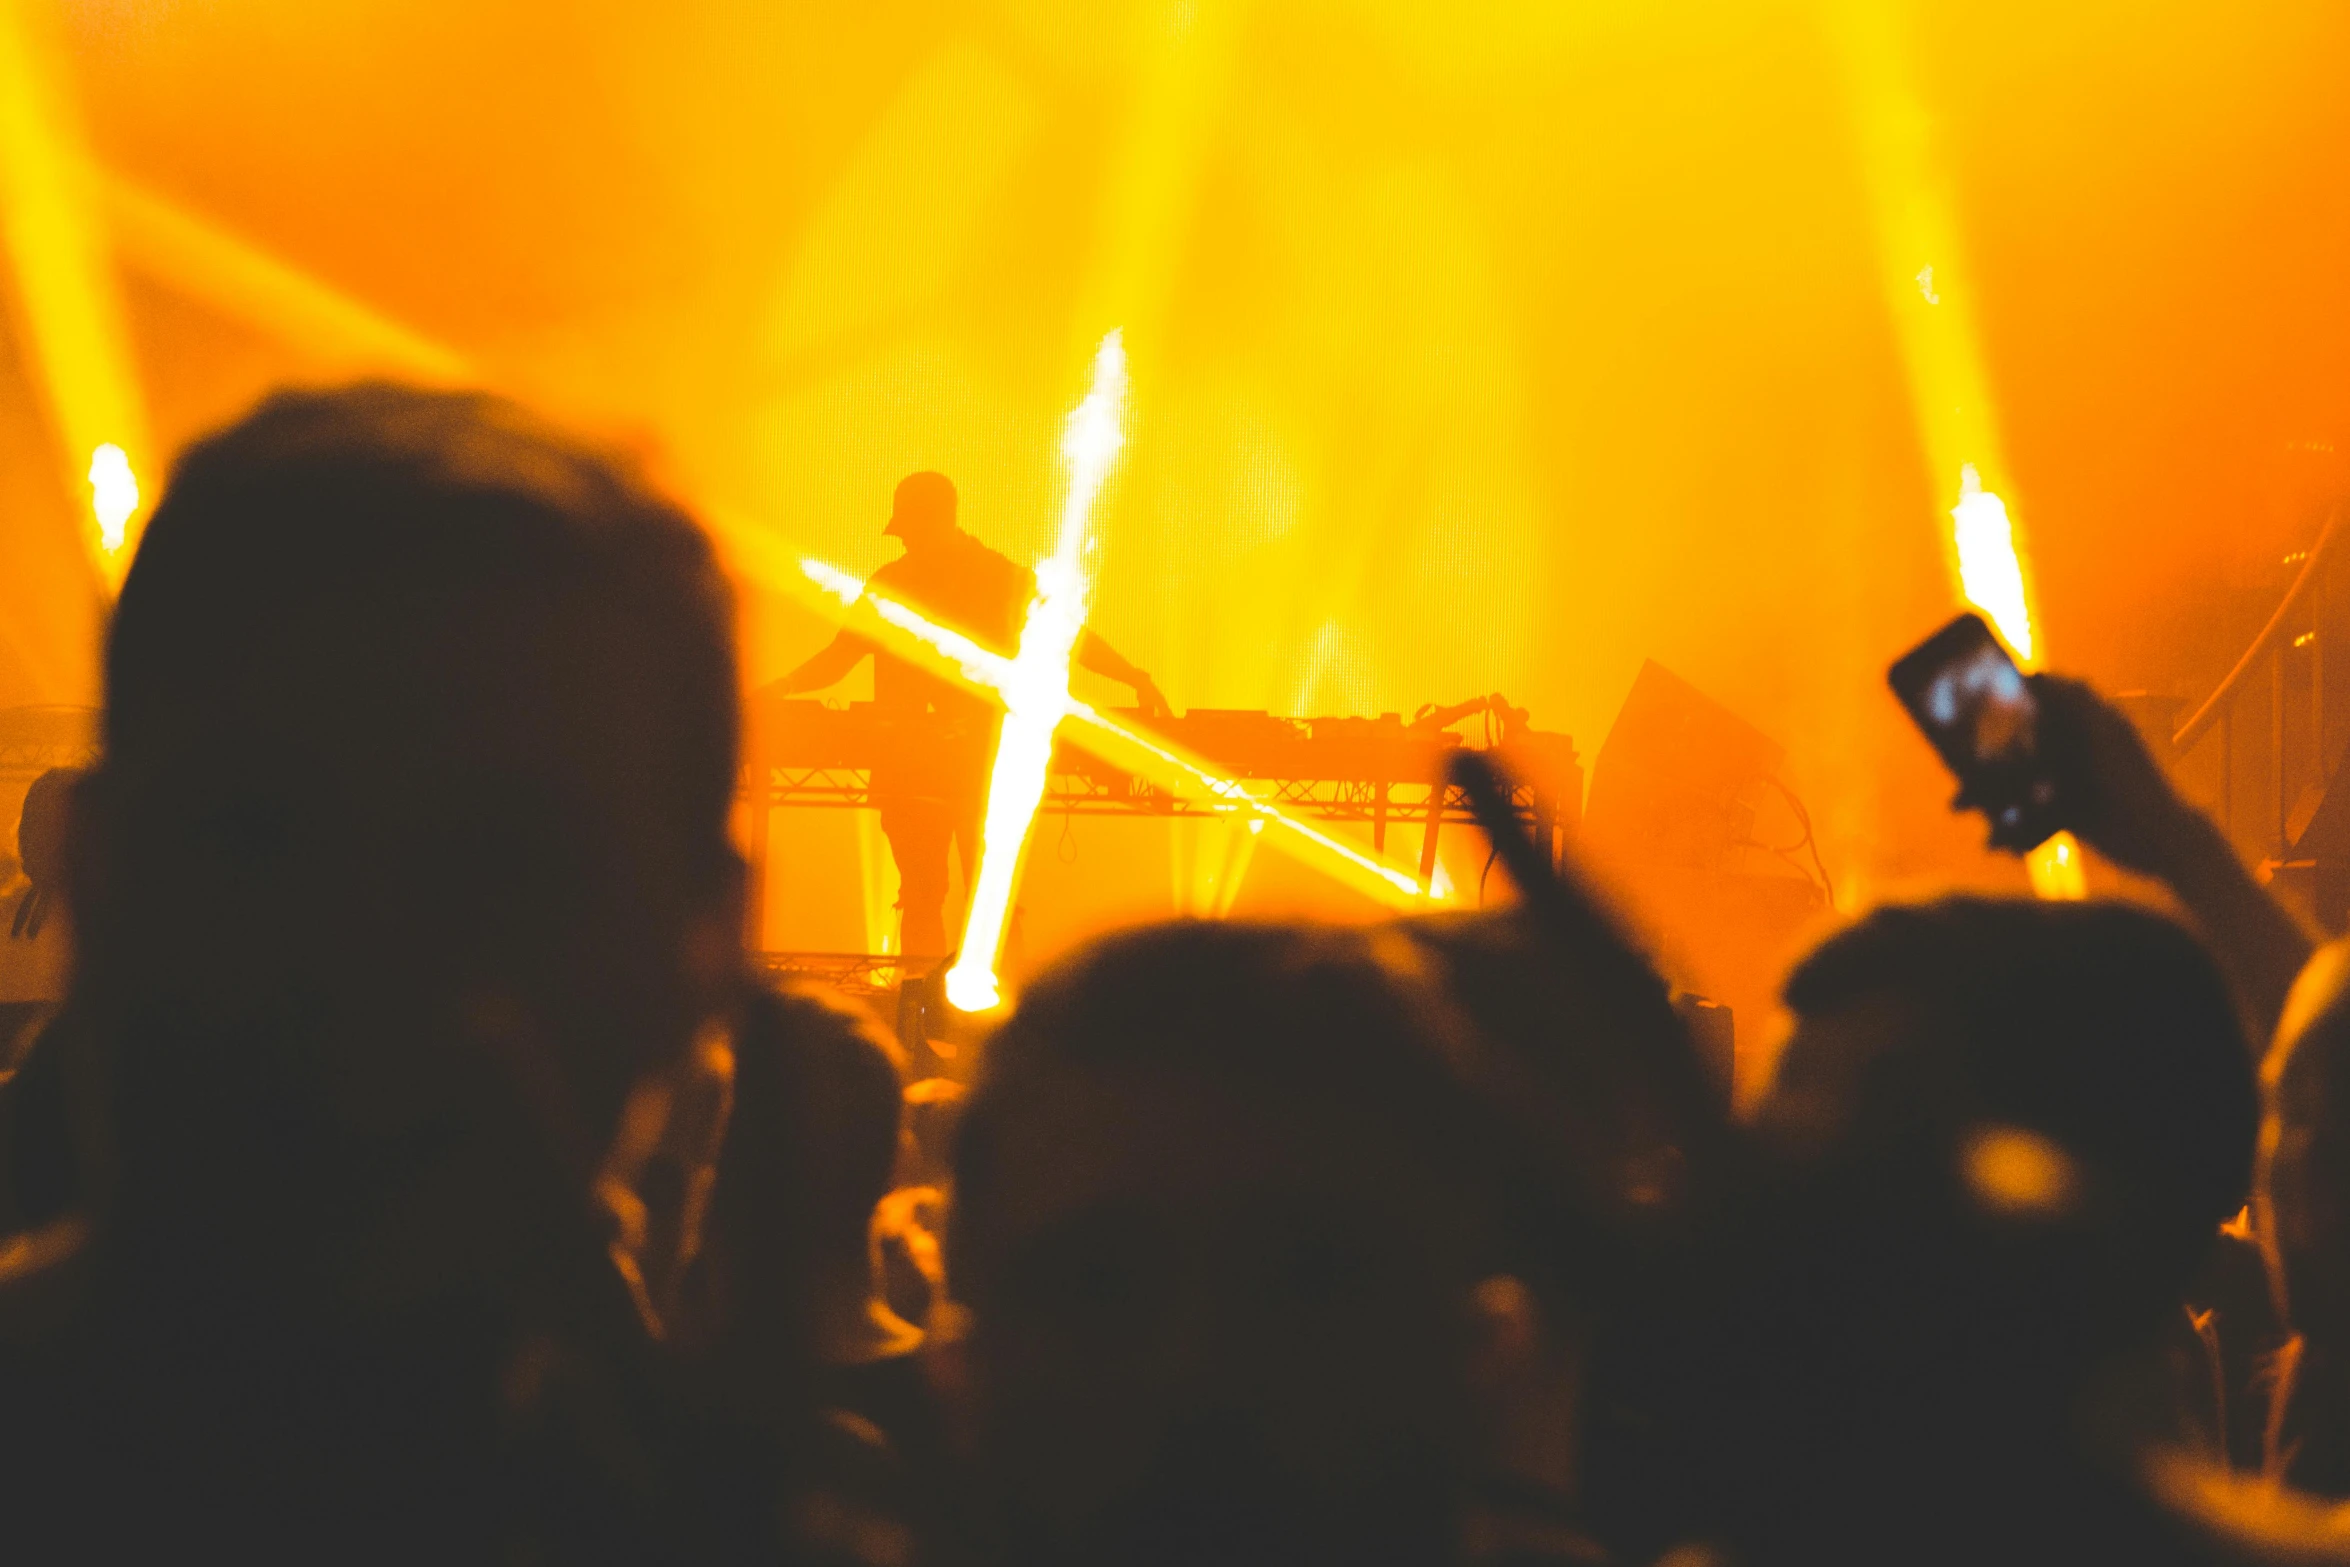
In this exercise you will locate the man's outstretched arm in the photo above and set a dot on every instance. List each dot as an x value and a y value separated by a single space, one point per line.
827 666
1103 659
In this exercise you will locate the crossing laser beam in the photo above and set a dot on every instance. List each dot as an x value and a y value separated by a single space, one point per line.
1162 765
1036 691
1155 761
979 666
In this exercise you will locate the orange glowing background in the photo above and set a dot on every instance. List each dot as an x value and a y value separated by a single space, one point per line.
1485 345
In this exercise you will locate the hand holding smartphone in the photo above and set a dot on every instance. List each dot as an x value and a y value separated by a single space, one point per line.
1979 711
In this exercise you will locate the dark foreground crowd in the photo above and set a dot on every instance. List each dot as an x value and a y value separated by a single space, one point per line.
416 1172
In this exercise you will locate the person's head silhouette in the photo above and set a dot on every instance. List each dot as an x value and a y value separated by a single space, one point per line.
41 832
2007 1133
421 723
1238 1230
405 867
923 509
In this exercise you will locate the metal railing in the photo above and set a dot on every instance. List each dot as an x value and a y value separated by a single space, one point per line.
2296 622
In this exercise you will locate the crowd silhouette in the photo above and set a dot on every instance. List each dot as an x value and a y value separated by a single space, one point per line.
416 1168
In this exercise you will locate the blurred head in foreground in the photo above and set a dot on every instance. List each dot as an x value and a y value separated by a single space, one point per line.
405 864
1244 1245
2061 1069
2011 1131
787 1278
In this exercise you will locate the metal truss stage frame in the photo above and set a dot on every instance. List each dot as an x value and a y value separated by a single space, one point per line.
1365 773
1095 791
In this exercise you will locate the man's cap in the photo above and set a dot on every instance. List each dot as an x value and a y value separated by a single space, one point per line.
921 498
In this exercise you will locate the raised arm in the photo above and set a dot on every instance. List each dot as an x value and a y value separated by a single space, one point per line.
2126 809
828 666
1103 659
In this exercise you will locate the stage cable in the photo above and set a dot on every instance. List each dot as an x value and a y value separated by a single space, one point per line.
1809 841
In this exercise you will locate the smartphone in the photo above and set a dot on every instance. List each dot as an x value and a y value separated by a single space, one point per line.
1978 711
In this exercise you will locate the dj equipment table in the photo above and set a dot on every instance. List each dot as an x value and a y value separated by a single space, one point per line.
803 754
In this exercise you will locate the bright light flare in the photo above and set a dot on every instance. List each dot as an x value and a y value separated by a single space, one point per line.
2018 1174
2056 871
54 241
114 495
1990 573
1991 579
1036 694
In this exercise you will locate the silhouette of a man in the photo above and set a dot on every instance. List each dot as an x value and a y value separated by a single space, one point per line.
933 797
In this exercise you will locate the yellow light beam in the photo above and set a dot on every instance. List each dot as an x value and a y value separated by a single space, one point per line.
1182 62
215 267
1921 266
65 284
1990 570
1036 697
939 648
1928 290
1186 777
